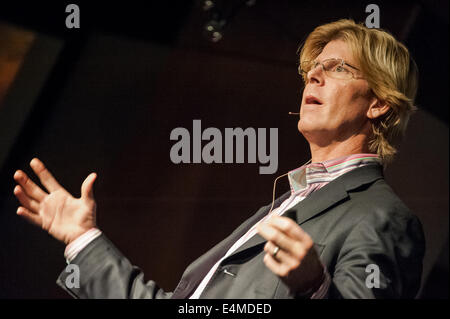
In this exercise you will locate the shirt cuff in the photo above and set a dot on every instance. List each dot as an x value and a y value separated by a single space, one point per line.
322 291
79 243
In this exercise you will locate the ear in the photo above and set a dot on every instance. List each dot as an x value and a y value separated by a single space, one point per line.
377 108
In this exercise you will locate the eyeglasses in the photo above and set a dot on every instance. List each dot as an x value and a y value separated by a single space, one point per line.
334 68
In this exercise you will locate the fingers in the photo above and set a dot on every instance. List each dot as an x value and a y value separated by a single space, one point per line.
29 216
87 188
25 200
287 226
280 264
30 188
44 175
274 235
281 254
275 266
286 234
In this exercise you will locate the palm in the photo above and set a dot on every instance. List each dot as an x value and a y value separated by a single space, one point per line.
58 212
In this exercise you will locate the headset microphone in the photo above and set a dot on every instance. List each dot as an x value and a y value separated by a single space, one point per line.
292 113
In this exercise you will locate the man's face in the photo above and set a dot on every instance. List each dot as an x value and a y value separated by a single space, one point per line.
343 106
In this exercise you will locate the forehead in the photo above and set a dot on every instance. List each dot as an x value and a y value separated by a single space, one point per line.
337 49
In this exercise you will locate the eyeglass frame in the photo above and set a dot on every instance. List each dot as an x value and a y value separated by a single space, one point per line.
316 63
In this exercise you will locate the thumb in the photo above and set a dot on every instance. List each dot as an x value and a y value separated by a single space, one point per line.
87 188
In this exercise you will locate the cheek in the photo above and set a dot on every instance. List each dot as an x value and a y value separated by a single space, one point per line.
350 102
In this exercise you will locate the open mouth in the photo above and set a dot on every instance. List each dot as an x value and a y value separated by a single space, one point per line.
312 100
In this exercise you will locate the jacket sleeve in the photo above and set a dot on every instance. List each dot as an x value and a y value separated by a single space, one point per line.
380 258
105 273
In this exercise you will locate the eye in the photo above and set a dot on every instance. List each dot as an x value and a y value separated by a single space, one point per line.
340 68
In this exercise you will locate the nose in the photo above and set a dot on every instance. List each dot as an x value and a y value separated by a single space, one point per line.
315 75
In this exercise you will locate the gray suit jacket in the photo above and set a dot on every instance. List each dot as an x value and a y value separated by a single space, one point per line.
355 221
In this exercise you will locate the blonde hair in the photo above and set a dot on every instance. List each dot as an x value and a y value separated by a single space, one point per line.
387 66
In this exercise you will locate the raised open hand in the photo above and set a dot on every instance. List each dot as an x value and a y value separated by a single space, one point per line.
58 212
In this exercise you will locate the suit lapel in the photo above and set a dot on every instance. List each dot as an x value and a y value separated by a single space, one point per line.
320 201
317 202
300 213
197 270
257 239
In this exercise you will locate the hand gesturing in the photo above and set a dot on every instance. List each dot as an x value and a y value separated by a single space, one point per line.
58 212
290 254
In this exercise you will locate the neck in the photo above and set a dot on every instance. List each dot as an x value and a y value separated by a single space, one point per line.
334 149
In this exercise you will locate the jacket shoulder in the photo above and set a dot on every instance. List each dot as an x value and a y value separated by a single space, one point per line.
379 198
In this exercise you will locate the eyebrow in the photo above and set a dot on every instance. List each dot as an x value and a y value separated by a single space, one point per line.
354 67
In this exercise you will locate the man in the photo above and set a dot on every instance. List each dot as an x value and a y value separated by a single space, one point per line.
341 232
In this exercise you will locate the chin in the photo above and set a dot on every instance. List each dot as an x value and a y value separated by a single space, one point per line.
304 125
311 131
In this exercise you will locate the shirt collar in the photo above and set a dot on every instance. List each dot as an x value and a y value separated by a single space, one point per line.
324 172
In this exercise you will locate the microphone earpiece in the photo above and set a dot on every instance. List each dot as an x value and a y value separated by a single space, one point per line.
292 113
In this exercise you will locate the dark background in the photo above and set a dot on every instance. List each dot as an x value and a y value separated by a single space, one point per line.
136 70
